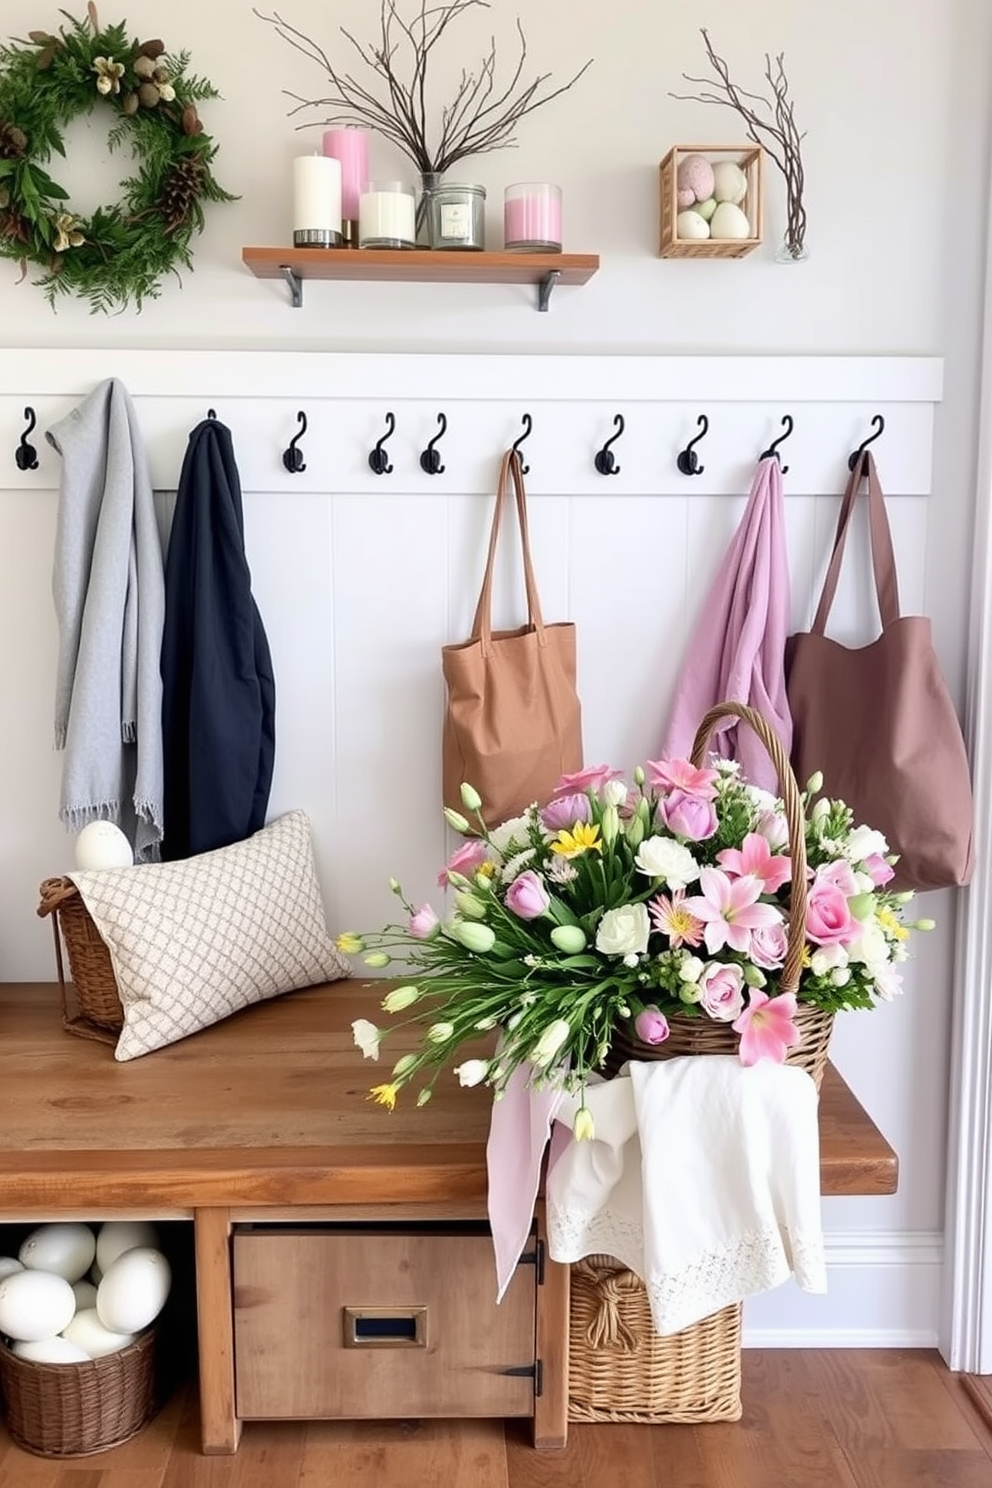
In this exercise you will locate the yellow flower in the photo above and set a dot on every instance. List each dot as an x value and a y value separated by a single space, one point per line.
349 944
583 1127
583 837
385 1095
67 234
892 927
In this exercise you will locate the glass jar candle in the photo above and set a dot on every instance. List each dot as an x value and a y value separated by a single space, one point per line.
532 217
457 216
387 215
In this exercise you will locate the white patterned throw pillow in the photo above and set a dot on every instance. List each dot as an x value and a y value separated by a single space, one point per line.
193 941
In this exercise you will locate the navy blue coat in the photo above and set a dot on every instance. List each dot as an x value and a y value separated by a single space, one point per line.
218 691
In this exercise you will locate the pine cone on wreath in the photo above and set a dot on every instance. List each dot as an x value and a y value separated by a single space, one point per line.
13 142
182 187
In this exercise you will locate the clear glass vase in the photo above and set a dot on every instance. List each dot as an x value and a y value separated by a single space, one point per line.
429 181
791 252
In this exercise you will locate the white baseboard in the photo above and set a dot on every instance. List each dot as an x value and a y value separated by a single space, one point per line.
884 1291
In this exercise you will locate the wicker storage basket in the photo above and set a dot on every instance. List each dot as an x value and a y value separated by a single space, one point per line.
620 1369
100 1015
74 1410
699 1034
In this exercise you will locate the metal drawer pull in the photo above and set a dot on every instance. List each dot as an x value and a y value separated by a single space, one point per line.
384 1327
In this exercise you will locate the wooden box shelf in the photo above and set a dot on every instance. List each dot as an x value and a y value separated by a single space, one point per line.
421 266
750 160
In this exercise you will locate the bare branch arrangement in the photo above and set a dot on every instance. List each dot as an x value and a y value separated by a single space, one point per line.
482 115
777 134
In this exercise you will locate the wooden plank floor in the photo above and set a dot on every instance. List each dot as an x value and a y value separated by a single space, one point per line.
819 1419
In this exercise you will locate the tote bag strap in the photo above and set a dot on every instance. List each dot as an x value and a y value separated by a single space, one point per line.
882 557
482 625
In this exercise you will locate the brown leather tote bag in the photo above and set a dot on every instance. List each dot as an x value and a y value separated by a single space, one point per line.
512 723
879 722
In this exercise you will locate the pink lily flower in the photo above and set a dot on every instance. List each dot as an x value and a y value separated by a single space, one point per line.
730 910
423 924
592 778
766 1027
755 857
879 870
679 774
840 875
465 861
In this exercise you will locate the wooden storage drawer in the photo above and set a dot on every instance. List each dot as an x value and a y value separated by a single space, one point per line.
348 1321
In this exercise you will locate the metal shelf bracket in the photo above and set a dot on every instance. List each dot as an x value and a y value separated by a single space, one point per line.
545 287
295 285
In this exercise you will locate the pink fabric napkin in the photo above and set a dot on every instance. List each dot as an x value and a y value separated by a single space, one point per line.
518 1134
737 651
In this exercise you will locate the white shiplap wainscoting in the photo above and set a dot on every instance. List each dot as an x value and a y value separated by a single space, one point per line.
361 578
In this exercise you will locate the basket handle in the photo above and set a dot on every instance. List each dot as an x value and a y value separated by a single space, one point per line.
794 816
55 891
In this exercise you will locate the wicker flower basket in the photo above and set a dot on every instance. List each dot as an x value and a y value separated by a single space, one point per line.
100 1014
74 1410
698 1034
620 1369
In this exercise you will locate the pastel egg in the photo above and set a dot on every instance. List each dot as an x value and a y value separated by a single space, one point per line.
729 222
119 1235
34 1304
57 1350
8 1265
685 199
133 1290
691 225
85 1294
729 182
88 1333
101 844
706 208
64 1249
695 174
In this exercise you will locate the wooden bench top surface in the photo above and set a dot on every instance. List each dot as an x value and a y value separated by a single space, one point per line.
270 1108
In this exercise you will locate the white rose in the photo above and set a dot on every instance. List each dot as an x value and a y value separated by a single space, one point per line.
624 931
863 843
662 857
691 969
825 958
871 948
615 792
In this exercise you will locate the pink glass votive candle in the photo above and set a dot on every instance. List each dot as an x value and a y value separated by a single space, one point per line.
532 217
350 146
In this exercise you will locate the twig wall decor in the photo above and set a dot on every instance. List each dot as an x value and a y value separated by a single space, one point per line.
777 134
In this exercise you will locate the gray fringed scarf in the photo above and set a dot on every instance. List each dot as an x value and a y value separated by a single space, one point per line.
109 590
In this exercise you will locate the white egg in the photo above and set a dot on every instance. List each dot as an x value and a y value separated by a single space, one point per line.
87 1331
133 1290
8 1265
64 1249
34 1304
729 182
117 1236
691 225
85 1294
729 222
56 1350
102 845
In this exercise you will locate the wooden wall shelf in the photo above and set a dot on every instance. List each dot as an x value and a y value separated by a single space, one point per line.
433 266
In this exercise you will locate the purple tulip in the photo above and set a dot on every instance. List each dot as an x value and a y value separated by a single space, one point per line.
651 1026
527 897
561 814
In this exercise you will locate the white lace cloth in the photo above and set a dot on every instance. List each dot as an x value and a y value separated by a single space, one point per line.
703 1179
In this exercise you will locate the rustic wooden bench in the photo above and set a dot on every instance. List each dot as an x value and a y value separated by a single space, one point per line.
265 1120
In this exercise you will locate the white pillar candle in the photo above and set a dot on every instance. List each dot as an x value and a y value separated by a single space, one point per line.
316 201
387 216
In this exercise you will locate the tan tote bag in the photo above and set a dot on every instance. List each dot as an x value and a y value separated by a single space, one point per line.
879 722
512 723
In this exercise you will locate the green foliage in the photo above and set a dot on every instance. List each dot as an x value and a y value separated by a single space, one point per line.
122 252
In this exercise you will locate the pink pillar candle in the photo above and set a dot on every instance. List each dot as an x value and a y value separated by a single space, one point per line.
532 217
351 147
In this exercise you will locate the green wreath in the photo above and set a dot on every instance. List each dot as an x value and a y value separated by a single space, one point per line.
121 252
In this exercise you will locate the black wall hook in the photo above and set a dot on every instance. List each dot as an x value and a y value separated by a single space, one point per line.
604 461
878 424
787 427
211 413
292 458
378 459
687 460
26 455
528 426
430 460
